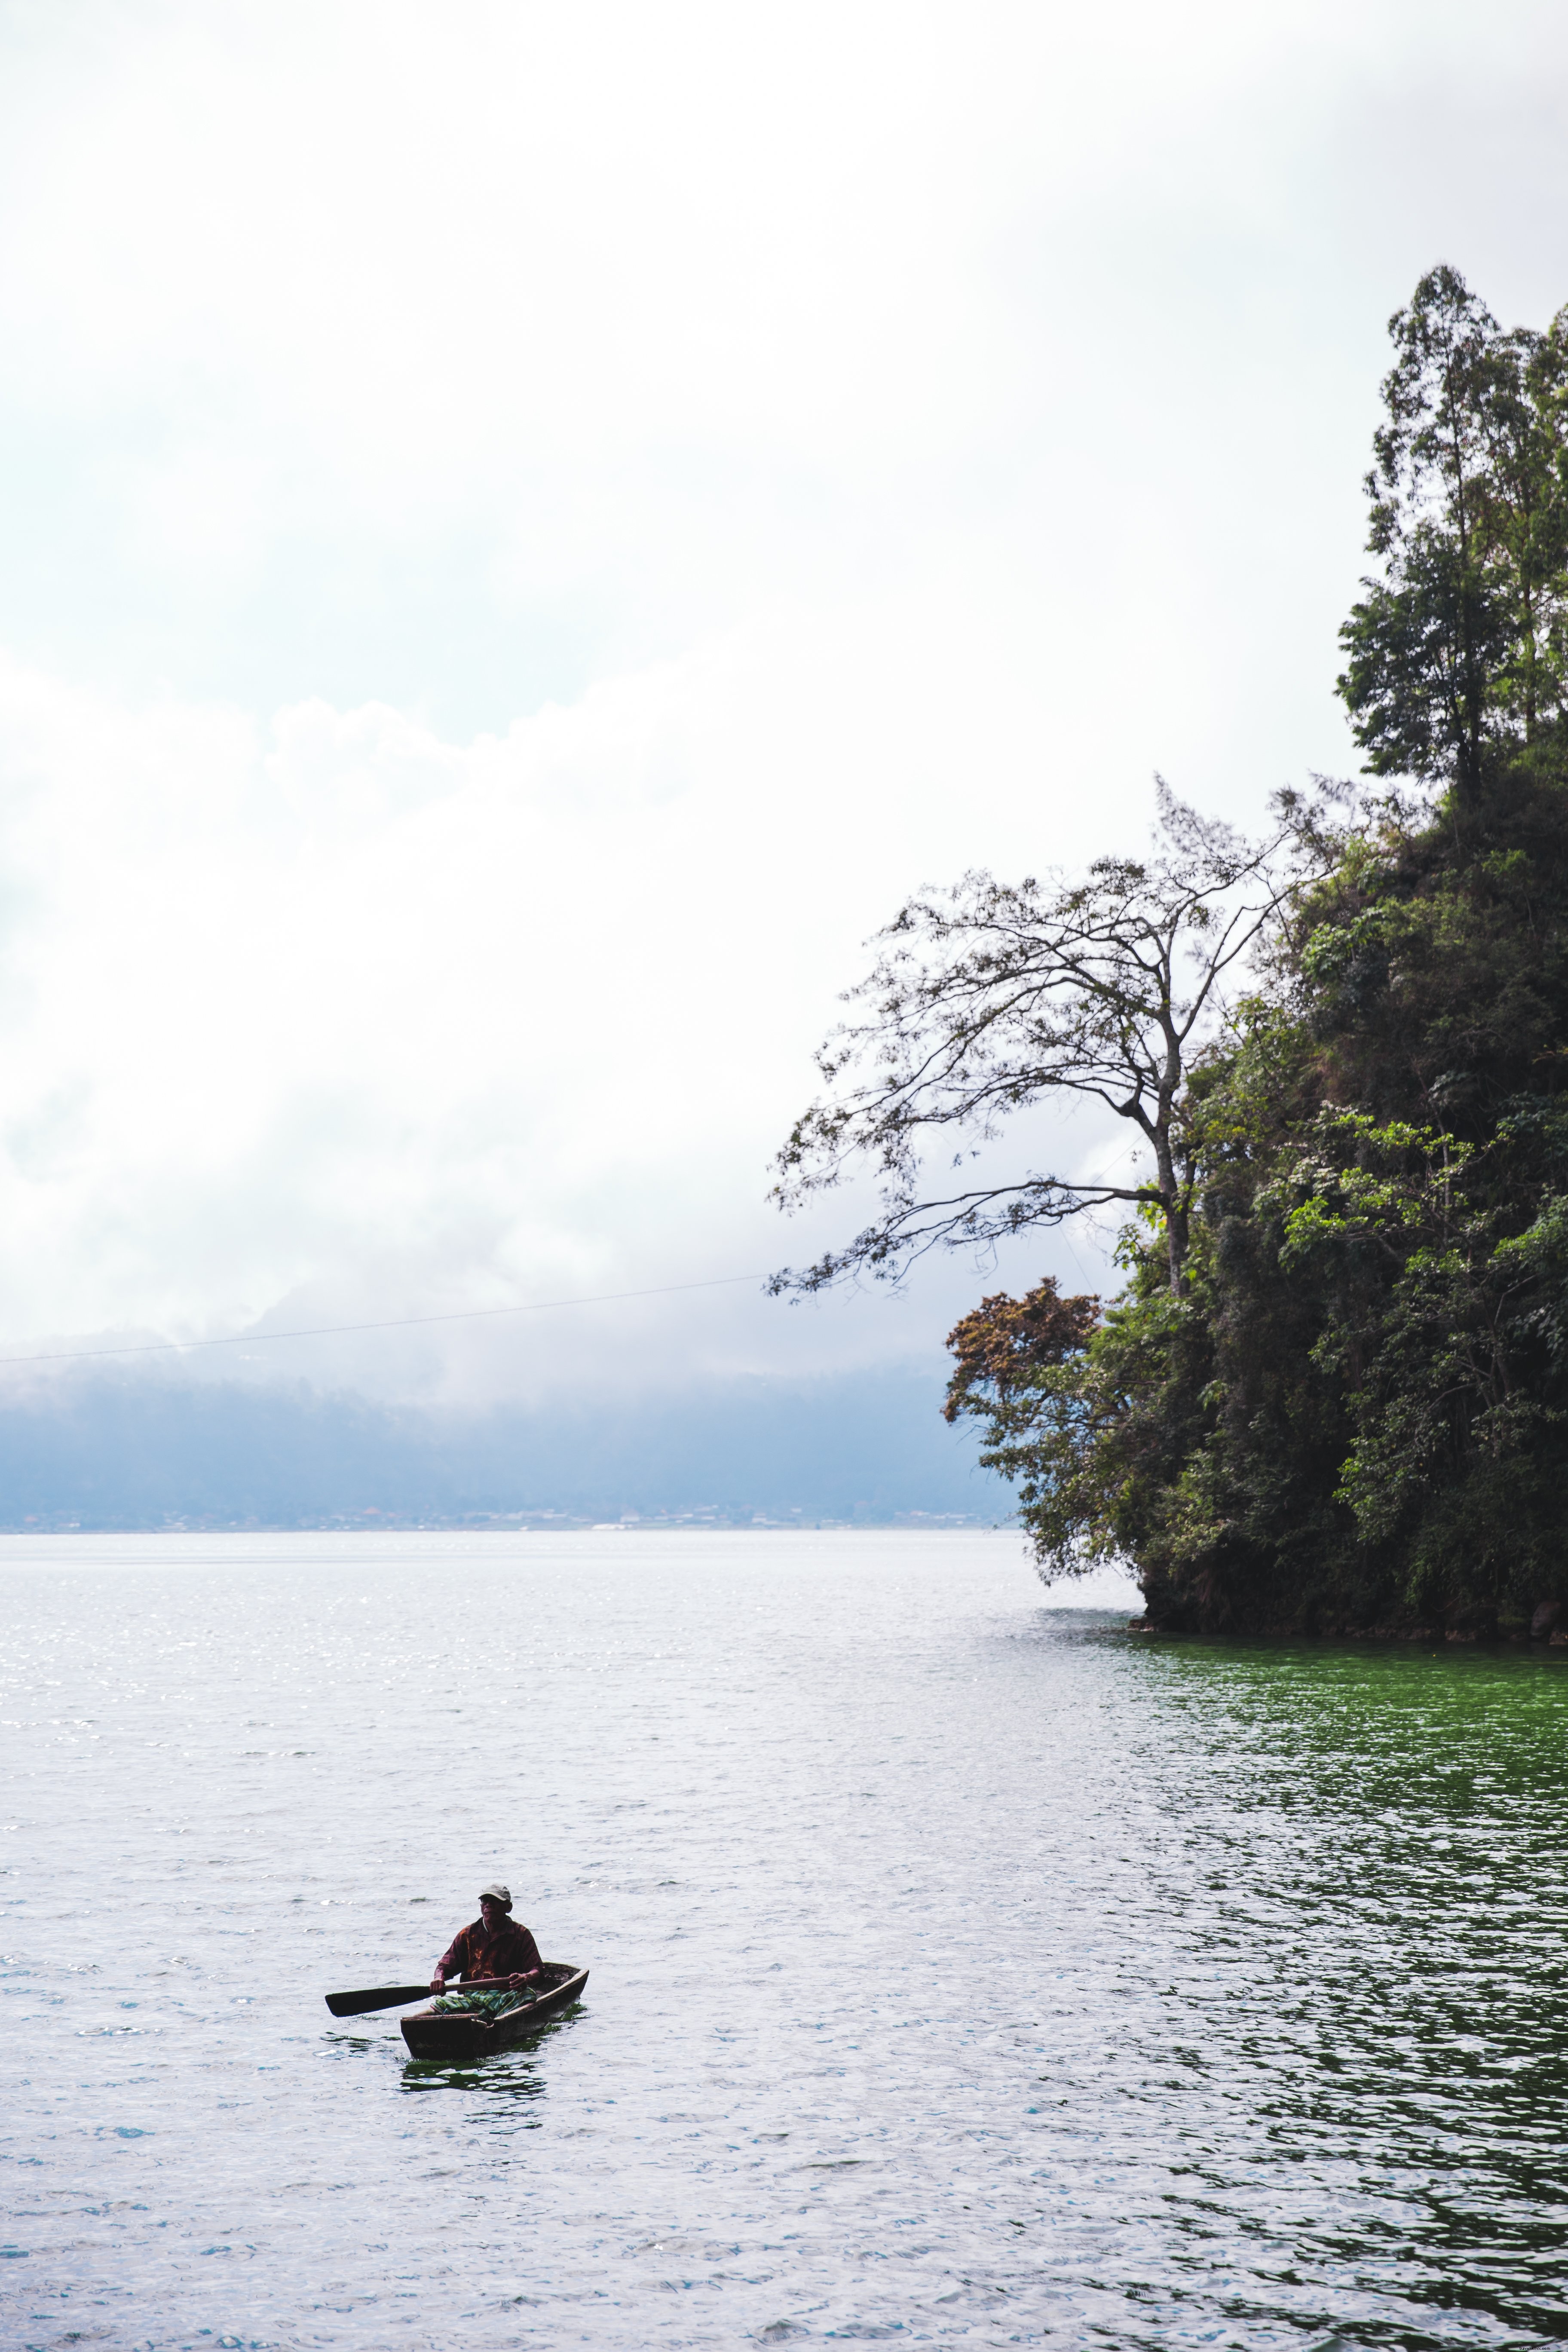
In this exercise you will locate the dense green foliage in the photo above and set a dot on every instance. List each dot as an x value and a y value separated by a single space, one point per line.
1351 1408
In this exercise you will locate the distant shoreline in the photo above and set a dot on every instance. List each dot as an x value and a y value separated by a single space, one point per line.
374 1522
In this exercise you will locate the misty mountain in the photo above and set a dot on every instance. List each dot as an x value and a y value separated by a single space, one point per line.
137 1450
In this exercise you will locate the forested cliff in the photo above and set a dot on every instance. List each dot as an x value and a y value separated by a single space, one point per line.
1332 1394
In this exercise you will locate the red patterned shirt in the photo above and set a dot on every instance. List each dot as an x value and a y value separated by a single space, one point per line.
510 1951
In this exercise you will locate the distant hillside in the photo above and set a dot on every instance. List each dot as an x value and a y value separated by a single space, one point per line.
139 1450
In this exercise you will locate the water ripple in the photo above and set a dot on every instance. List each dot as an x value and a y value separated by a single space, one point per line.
964 1970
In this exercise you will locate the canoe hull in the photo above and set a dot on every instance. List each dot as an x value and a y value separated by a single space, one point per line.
432 2034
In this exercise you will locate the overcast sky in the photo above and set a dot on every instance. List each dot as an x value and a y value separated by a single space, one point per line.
529 529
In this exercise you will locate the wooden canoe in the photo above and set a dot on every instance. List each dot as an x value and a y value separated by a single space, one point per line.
453 2034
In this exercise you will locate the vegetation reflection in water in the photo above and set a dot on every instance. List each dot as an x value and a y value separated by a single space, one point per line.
1378 1897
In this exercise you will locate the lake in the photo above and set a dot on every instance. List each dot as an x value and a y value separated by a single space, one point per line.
966 1970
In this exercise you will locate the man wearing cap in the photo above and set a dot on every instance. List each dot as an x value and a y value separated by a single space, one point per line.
493 1946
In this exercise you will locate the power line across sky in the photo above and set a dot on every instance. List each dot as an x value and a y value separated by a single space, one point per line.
389 1323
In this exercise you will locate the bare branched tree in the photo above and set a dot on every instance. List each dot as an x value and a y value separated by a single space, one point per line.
992 997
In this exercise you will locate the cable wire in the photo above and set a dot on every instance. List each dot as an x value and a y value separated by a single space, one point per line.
395 1323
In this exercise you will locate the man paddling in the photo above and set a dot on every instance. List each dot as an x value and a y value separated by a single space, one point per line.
491 1945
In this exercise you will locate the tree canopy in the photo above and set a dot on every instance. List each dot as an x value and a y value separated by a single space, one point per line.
1332 1390
1459 648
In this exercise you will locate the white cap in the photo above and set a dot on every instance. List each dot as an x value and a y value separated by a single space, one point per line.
497 1894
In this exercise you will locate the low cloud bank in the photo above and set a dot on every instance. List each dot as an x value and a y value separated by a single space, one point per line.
127 1451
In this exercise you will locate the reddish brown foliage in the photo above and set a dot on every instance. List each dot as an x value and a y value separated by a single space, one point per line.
1004 1339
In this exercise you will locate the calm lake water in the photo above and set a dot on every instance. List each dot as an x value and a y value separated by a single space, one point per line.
965 1970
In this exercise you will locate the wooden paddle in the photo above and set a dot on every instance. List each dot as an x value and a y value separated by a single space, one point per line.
356 2004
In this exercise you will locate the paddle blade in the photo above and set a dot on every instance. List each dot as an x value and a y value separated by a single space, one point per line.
357 2004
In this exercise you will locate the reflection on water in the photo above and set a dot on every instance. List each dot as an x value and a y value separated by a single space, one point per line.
513 2074
965 1970
500 2077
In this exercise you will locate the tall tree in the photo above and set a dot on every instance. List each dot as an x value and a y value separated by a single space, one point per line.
1456 654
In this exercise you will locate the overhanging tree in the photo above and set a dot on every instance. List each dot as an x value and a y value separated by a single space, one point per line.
994 997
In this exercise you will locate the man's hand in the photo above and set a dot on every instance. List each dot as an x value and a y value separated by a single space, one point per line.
437 1982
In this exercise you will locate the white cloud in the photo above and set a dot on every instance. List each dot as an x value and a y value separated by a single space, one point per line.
534 527
340 1015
